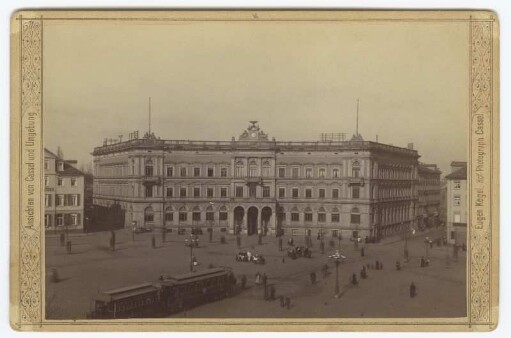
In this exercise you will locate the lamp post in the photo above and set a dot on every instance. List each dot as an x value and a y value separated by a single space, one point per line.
337 277
191 243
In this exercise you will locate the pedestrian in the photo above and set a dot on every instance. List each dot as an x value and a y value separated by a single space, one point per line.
283 259
413 290
258 278
272 292
363 273
423 262
265 279
313 277
153 242
354 280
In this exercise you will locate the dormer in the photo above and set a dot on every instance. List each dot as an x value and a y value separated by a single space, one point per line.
60 166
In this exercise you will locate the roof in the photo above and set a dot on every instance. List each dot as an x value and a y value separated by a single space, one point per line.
460 174
193 276
426 169
69 169
129 291
458 164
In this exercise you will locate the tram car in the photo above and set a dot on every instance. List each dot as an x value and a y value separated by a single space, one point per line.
168 295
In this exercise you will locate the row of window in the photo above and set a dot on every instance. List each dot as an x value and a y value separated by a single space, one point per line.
62 220
253 172
61 181
266 192
62 200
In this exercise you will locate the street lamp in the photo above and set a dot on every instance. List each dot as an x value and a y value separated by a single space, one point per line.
337 277
191 243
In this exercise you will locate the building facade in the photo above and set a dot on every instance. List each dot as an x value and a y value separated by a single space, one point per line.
429 189
63 194
256 185
457 203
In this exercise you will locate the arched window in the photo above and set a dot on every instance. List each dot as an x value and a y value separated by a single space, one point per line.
183 215
196 214
238 170
149 214
295 215
266 168
222 215
355 216
252 169
169 214
210 214
308 214
335 217
321 215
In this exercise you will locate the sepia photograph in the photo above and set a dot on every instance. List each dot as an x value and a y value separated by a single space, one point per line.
258 165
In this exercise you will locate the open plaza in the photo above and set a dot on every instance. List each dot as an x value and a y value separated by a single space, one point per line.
93 267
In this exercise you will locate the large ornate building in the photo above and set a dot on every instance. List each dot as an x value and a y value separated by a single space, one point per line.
257 185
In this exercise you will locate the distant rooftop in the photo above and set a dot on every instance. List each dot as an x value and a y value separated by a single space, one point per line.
460 174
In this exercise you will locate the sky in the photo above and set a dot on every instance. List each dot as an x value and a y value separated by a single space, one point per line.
206 80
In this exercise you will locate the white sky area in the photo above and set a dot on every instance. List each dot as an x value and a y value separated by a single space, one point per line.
208 79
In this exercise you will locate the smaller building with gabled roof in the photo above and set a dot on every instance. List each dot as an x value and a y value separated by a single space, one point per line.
63 194
457 203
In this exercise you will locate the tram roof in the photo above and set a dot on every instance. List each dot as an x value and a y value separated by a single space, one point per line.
194 276
129 291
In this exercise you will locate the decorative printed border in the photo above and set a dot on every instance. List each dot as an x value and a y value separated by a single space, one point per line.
27 253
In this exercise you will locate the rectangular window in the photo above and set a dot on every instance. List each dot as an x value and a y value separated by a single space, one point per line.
452 235
210 192
322 172
252 190
60 166
182 192
59 219
239 170
321 193
335 218
73 182
211 172
149 217
355 192
457 185
47 221
295 217
196 216
266 171
196 172
46 165
355 218
183 216
59 200
74 219
182 172
169 216
295 192
308 217
322 218
60 182
223 192
196 192
457 200
170 171
282 172
252 171
210 216
335 193
239 191
47 200
355 172
308 172
46 181
222 216
335 173
149 170
74 199
308 193
266 192
457 218
295 172
149 191
170 192
282 192
223 172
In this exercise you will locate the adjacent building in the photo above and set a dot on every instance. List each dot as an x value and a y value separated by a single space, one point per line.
254 184
429 196
63 193
457 203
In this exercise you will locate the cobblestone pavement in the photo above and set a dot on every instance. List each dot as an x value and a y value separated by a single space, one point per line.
92 267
